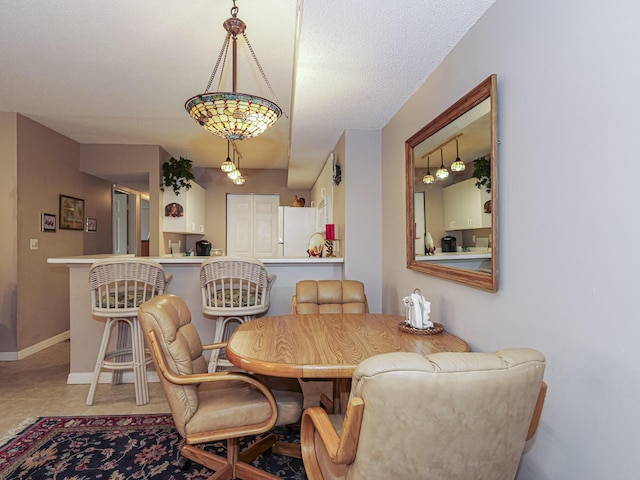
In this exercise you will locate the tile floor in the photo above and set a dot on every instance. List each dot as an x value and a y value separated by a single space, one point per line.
36 386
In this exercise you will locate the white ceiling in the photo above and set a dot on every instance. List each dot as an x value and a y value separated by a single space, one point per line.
119 71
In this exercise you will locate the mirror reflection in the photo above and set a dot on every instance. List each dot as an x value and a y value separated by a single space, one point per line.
451 184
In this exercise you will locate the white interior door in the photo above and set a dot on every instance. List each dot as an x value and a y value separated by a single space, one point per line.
252 225
265 225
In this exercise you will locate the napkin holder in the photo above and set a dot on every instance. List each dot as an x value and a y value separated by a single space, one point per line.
411 322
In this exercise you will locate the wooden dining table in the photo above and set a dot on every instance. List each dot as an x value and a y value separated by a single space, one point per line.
327 346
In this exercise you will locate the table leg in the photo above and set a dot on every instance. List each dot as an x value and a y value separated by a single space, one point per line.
341 391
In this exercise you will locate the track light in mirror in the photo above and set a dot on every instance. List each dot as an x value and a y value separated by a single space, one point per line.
233 115
428 179
458 165
442 172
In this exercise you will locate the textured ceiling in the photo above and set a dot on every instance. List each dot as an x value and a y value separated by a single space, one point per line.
119 71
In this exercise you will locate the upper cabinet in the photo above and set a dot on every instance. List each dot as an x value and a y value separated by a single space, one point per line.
184 213
465 206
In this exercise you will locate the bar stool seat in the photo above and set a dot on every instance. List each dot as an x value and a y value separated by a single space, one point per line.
118 287
234 290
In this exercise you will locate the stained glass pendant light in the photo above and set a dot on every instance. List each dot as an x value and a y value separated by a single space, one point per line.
235 173
442 172
233 115
458 165
239 180
228 166
428 178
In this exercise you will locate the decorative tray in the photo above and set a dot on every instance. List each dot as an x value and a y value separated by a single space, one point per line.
436 329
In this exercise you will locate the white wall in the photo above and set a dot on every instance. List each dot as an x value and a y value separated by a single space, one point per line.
362 206
568 99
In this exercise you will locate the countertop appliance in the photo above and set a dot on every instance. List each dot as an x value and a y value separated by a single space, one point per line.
296 225
203 248
449 244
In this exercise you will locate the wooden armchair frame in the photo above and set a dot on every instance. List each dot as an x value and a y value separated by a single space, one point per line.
237 463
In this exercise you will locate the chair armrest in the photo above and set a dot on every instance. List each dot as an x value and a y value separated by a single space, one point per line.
197 378
214 346
537 411
341 448
293 305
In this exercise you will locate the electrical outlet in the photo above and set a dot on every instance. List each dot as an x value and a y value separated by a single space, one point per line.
33 244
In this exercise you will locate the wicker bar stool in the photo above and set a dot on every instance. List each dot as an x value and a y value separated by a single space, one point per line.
118 287
234 290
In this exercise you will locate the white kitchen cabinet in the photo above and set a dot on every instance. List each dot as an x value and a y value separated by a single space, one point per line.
184 213
464 206
252 225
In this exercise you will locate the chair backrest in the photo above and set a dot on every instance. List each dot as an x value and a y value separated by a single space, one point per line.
446 415
329 296
120 285
235 286
169 317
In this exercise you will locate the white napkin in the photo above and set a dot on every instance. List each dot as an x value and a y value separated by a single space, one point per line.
418 311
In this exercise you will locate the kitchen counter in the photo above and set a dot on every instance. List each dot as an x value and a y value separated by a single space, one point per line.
476 260
184 260
86 331
442 256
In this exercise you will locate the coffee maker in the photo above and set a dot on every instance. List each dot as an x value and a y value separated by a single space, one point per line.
203 248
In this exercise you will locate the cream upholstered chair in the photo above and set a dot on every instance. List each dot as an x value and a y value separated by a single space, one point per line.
446 415
208 407
118 287
329 296
234 290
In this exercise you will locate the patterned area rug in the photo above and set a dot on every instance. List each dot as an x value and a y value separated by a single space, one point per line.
117 448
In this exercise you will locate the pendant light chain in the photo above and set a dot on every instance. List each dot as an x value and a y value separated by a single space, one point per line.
264 76
223 53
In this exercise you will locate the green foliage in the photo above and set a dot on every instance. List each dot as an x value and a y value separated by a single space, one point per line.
482 171
176 174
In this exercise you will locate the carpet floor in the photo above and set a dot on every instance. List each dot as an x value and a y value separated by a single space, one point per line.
118 447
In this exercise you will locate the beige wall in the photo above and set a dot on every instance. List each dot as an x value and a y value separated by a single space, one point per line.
9 220
567 102
138 167
46 166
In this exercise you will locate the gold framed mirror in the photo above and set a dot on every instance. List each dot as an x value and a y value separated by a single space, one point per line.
452 220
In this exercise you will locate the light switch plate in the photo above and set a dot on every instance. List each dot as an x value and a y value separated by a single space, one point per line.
33 244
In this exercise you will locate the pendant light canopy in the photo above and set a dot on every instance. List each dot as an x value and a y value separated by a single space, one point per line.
233 115
442 172
428 178
458 165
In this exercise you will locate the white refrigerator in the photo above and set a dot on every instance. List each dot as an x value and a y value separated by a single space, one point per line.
296 225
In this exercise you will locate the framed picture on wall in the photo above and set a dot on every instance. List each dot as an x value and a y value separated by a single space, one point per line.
92 225
71 213
48 222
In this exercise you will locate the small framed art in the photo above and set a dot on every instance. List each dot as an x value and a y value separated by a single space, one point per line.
91 225
48 222
71 213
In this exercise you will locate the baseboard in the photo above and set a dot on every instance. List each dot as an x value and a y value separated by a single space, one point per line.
38 347
84 378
